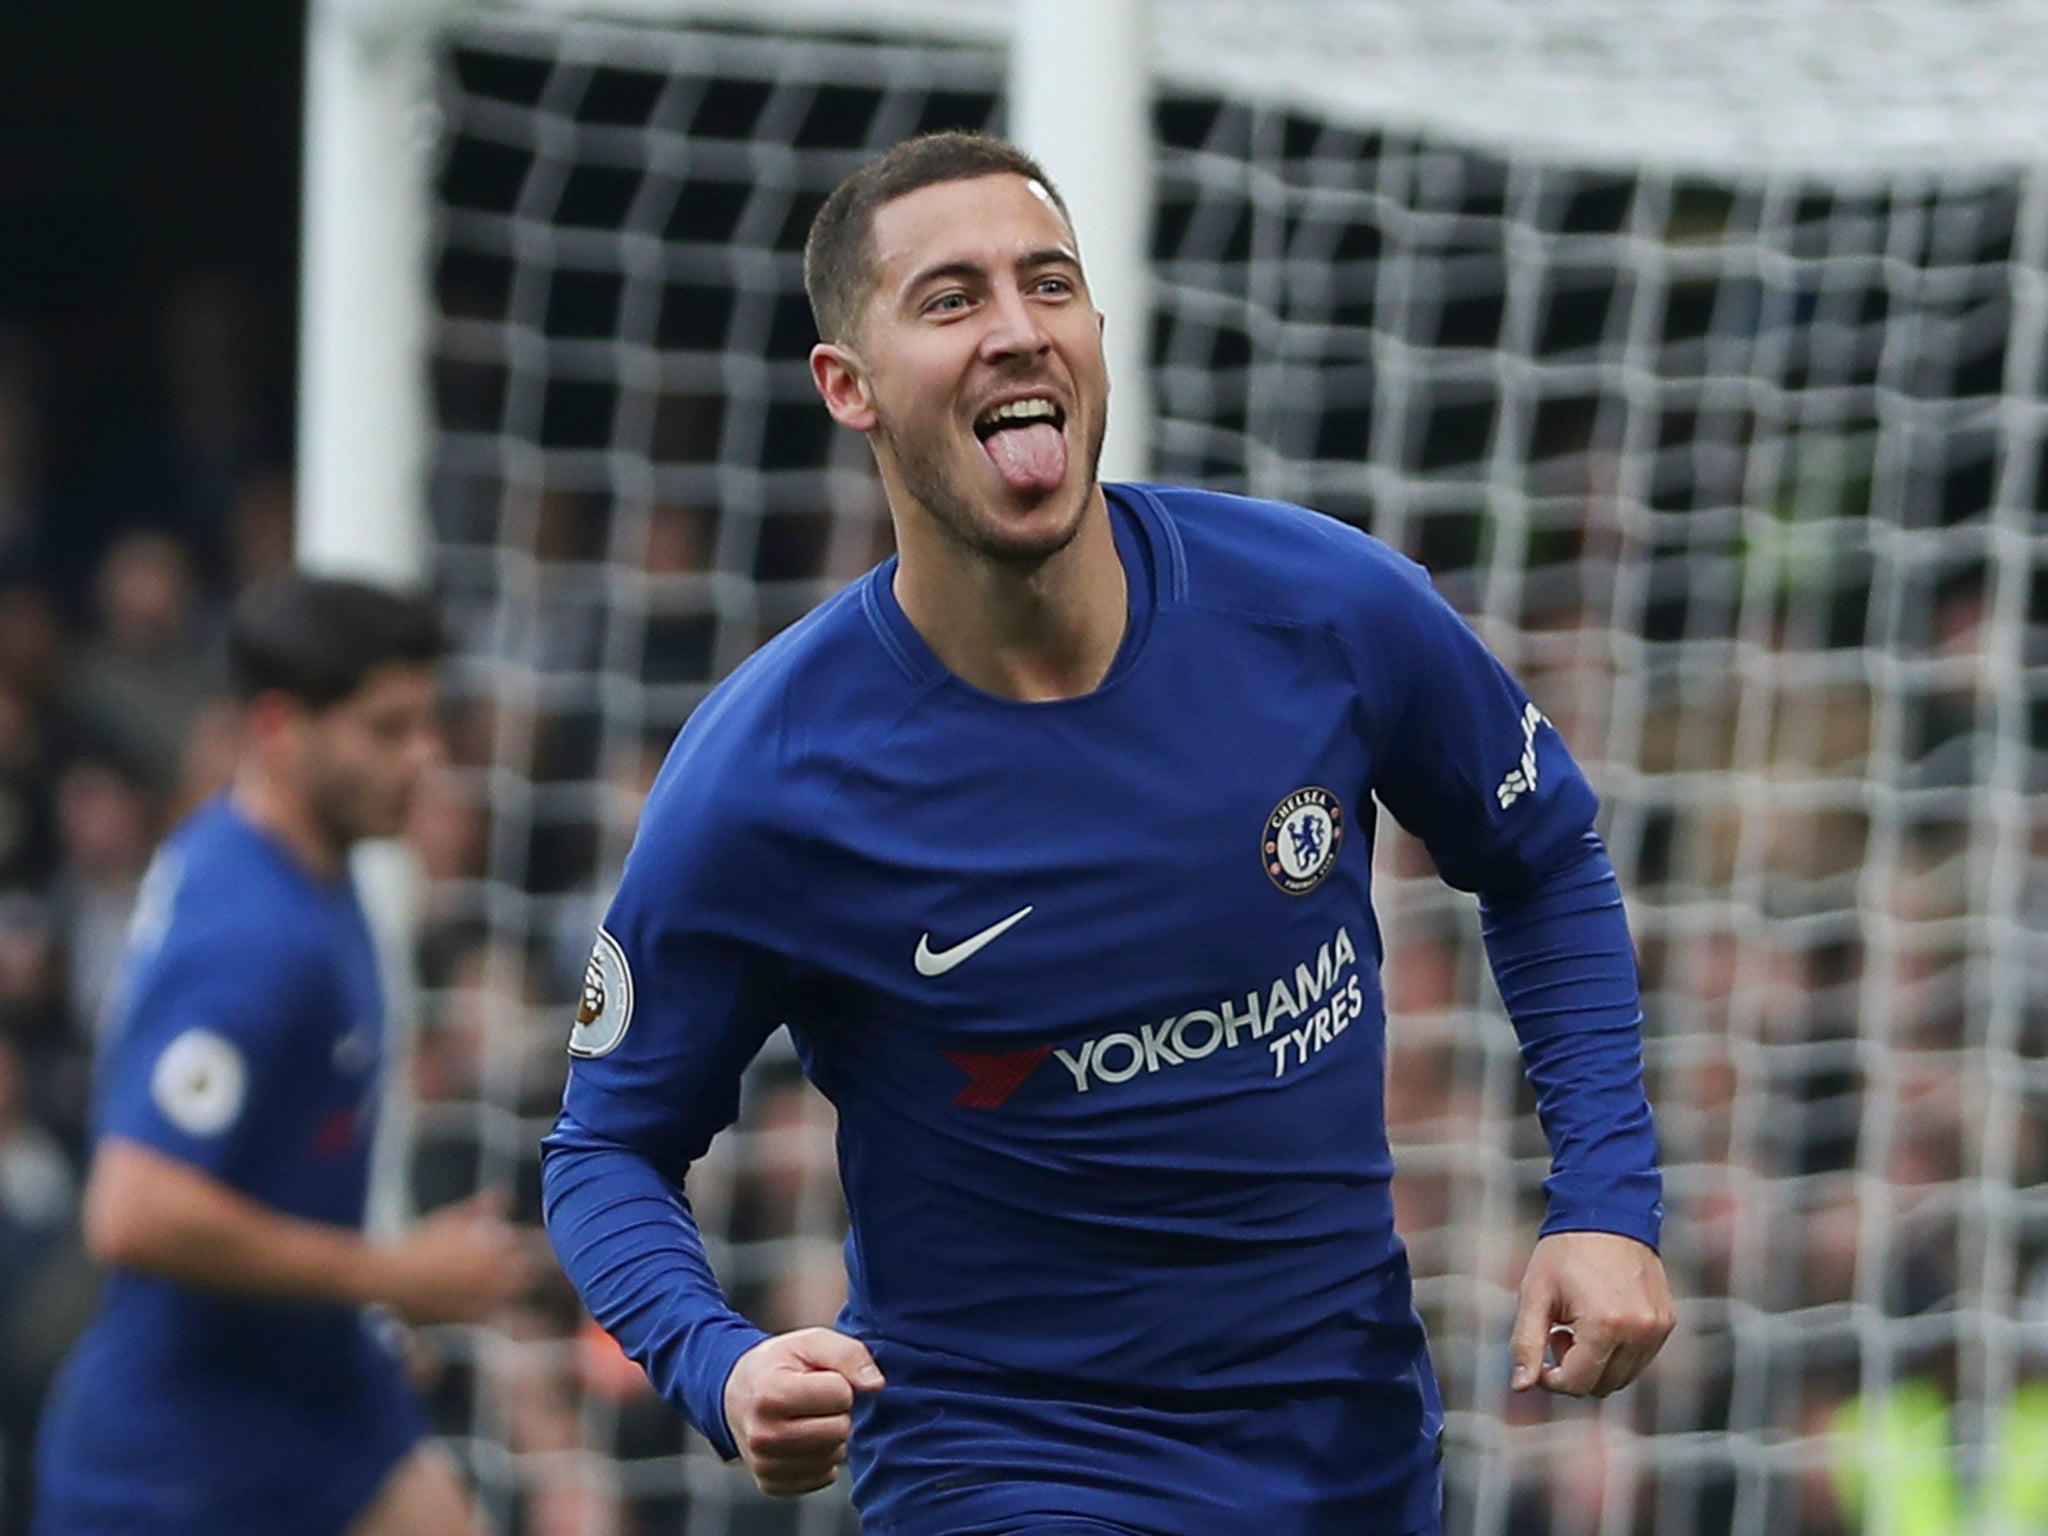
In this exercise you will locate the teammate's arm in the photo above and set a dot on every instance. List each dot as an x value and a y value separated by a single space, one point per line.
148 1211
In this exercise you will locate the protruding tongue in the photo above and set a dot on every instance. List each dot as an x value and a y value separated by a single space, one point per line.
1030 459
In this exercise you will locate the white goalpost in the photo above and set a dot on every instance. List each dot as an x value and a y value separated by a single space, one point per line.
1701 352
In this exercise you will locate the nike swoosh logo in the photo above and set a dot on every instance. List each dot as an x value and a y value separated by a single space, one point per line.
936 962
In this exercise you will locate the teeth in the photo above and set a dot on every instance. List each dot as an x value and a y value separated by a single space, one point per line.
1022 410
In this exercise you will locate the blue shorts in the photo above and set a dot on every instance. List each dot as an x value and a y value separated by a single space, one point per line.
211 1456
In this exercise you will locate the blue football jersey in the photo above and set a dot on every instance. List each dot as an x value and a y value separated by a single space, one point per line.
247 1040
1094 986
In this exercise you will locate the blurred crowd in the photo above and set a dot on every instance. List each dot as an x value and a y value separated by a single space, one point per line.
118 553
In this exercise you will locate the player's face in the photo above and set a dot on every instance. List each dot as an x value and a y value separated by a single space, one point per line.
362 758
978 368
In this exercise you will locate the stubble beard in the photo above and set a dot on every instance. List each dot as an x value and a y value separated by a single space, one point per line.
349 812
337 814
959 514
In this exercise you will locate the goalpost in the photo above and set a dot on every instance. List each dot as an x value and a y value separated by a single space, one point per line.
1699 350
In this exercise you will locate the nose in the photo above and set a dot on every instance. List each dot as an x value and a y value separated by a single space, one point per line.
1016 328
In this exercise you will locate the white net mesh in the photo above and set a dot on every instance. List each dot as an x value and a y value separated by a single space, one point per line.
1845 89
1737 458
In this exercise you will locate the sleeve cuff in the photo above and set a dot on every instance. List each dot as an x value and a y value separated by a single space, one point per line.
1645 1228
706 1394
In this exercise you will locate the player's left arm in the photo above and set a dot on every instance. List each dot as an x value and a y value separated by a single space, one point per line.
1475 770
1595 1305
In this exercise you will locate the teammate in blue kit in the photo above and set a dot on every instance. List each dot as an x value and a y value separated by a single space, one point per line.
1050 843
231 1381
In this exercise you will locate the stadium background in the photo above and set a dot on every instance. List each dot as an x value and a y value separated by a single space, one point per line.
1742 470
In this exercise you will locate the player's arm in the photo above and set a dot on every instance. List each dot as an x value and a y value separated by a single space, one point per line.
626 1236
148 1211
1562 958
196 1087
1487 783
674 1009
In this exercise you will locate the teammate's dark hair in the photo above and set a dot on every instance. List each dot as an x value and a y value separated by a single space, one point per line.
318 638
838 254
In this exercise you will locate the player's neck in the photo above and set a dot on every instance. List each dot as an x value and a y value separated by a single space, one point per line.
1034 634
281 814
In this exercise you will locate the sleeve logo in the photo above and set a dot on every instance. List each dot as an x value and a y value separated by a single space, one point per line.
1522 779
200 1082
606 1006
1302 838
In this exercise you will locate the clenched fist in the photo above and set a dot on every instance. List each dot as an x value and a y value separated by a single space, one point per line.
789 1405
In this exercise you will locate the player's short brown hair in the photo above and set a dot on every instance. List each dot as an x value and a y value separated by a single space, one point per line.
839 269
318 638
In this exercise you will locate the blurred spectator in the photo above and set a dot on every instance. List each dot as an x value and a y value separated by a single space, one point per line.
41 1278
531 1385
106 829
38 1190
139 685
30 644
20 458
216 354
450 830
32 735
791 1190
1589 1483
35 1023
28 840
264 526
1948 739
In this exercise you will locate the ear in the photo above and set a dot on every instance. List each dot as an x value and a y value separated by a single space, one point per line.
843 384
270 720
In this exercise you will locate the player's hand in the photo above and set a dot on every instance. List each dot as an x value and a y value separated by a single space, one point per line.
1600 1304
458 1265
789 1405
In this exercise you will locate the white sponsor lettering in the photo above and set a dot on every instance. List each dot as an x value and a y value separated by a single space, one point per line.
1210 1041
1323 998
1159 1052
1078 1065
1233 1021
1120 1041
1281 1005
1522 779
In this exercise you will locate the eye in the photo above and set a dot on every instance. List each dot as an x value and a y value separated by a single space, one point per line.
1055 285
951 303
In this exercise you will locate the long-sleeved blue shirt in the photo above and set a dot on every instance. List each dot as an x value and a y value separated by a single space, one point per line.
245 1041
1094 987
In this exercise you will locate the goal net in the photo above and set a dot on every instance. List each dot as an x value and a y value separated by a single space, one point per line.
1700 356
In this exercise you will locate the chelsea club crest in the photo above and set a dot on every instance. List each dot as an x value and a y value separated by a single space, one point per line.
1301 841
